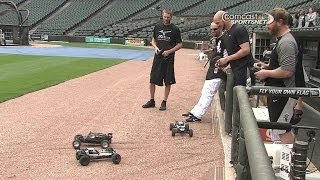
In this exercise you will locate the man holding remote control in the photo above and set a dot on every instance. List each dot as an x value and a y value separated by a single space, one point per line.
166 41
213 77
281 72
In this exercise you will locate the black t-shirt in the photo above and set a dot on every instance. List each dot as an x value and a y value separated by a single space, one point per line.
167 36
299 74
220 50
233 38
288 54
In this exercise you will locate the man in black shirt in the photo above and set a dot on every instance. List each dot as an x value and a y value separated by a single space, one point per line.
236 42
213 77
166 41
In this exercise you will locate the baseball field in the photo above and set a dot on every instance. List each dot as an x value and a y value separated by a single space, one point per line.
47 100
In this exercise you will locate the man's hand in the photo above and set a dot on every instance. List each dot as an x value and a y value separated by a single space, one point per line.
260 65
262 74
222 62
166 53
226 68
156 50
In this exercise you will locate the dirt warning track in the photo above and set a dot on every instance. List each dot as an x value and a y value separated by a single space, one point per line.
37 129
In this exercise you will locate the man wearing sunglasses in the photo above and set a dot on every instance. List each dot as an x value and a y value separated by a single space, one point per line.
280 72
213 78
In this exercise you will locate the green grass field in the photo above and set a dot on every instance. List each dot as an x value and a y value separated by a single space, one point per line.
20 74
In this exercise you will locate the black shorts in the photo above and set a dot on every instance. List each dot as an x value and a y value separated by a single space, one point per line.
281 107
162 71
299 77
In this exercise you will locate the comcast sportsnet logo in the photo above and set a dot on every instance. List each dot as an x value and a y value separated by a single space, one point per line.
249 18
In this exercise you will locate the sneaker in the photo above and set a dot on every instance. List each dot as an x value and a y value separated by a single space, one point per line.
163 106
193 119
149 104
188 114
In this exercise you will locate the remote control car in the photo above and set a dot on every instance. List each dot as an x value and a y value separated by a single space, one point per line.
180 127
86 155
93 138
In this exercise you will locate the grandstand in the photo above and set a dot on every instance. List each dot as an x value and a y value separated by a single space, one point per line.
207 8
138 28
304 5
117 11
120 19
177 6
75 12
9 16
73 20
124 18
41 9
263 5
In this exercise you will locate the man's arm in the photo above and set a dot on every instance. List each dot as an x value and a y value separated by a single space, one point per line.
244 51
154 45
176 48
172 50
287 53
278 73
242 37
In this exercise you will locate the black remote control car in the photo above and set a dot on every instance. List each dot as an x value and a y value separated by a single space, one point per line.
180 127
93 138
86 155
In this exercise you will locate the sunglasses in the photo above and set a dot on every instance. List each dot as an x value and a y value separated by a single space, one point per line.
213 29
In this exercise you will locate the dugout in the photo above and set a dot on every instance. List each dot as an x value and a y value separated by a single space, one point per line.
309 40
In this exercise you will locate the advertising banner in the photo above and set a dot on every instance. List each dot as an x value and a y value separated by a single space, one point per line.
91 39
134 42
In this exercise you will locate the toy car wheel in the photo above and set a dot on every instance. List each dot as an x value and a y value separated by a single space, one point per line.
174 131
76 144
78 155
104 143
187 127
171 126
116 158
78 136
190 132
84 160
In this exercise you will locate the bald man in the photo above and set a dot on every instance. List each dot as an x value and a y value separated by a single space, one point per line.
236 42
213 78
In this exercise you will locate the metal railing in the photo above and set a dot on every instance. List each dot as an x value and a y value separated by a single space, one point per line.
228 103
246 138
